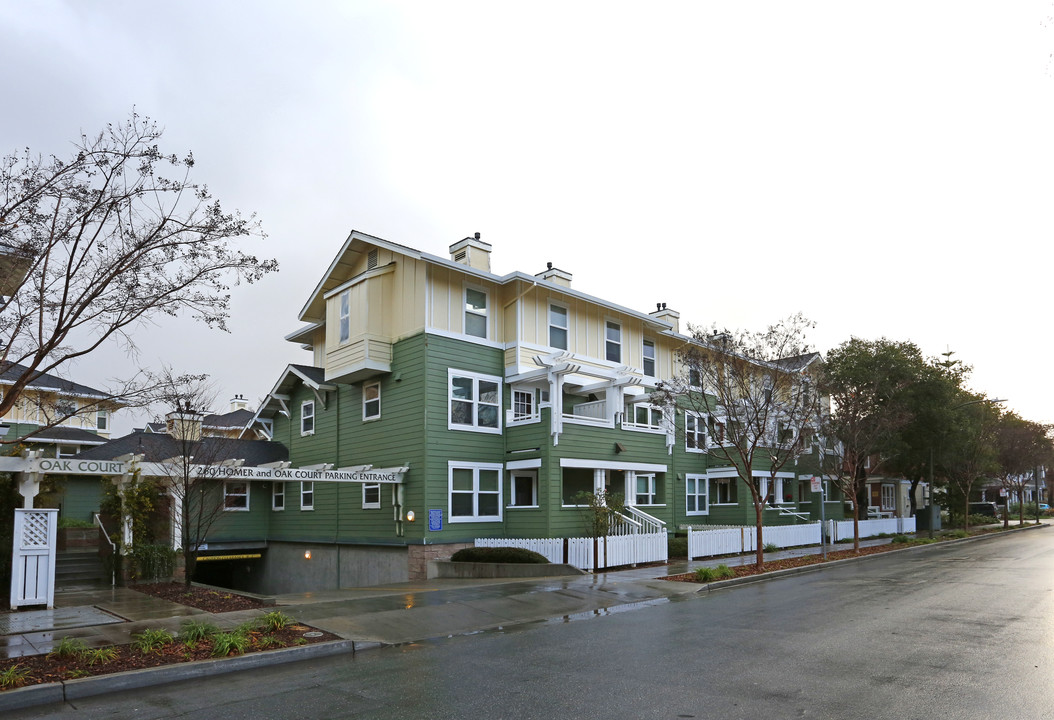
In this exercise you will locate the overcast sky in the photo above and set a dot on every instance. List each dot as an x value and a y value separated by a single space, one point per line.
884 168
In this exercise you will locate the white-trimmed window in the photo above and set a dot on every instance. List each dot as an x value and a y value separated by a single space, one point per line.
649 358
697 499
723 491
647 417
307 417
65 451
278 496
645 494
475 492
523 487
102 419
371 496
475 402
695 380
345 316
772 491
613 341
524 405
715 428
371 401
558 327
694 432
889 497
307 495
475 312
236 496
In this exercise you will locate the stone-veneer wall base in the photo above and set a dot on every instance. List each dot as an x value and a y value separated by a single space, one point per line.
421 555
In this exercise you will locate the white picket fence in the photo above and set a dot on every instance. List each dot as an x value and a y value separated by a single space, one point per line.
733 540
615 550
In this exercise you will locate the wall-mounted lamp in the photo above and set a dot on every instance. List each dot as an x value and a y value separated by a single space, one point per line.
410 516
307 554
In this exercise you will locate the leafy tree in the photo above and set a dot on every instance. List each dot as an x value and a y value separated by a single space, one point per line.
755 392
1021 446
866 382
95 245
969 452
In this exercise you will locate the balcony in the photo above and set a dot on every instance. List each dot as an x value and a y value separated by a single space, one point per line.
360 358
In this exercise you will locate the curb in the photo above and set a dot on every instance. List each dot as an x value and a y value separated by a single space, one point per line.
830 564
79 688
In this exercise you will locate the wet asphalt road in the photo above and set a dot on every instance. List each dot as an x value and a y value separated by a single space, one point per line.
960 631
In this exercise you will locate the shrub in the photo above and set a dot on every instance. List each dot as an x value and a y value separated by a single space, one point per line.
100 656
151 640
678 547
709 574
770 547
498 555
899 539
191 632
14 676
275 620
228 643
957 534
153 562
68 522
68 647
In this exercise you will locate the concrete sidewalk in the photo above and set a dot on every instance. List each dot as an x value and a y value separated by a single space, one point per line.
390 614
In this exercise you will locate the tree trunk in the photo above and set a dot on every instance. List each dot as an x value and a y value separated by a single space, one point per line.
759 510
856 525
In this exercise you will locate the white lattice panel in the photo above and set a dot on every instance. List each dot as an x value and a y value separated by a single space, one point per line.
35 530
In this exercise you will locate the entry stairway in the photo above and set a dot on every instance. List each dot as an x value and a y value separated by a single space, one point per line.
79 568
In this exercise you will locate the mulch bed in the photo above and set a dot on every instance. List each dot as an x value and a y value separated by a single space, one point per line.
37 669
213 601
794 562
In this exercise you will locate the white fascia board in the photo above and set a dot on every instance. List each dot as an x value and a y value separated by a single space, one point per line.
611 465
298 335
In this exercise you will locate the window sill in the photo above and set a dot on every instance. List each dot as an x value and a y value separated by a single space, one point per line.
231 509
471 428
522 507
488 519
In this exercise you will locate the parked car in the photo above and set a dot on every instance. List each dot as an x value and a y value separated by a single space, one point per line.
984 508
1044 506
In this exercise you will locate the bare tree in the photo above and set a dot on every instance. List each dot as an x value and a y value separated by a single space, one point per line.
755 395
95 245
190 459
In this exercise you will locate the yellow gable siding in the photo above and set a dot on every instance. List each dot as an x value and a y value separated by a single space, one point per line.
447 302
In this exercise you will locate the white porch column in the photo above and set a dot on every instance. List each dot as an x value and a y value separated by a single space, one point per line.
176 511
121 482
630 487
556 405
598 480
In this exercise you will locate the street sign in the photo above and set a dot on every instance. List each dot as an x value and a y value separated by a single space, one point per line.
816 484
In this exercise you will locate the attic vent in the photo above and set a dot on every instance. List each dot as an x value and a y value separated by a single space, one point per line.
460 256
371 260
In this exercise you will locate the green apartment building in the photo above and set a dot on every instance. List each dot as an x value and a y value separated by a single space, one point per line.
445 403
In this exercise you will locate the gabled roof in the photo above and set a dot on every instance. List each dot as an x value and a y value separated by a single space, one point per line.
797 362
156 447
228 421
66 436
339 272
9 372
312 377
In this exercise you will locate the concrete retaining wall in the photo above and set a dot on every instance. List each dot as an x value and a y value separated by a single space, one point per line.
447 569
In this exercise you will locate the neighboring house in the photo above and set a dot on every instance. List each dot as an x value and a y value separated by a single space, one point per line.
47 400
495 400
232 424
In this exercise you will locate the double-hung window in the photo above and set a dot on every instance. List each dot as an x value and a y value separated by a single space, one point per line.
645 490
371 401
696 496
102 419
278 496
649 358
236 496
647 416
475 312
307 417
371 497
889 497
345 316
475 402
613 341
558 327
475 492
307 495
694 432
